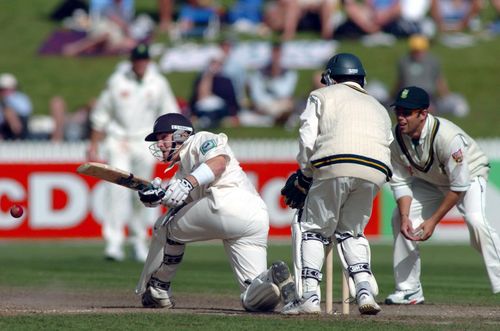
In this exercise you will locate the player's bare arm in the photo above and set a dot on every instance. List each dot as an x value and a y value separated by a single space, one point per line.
95 138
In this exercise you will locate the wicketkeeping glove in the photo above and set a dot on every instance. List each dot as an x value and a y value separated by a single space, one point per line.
177 192
153 194
296 189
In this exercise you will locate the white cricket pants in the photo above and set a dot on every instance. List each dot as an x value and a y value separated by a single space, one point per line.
426 199
123 205
342 204
239 218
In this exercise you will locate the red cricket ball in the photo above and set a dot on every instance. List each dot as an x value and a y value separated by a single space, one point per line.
16 211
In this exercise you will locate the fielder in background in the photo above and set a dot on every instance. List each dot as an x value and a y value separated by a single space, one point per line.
213 199
436 166
136 94
344 159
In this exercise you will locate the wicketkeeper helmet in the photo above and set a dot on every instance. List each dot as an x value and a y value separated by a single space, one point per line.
342 64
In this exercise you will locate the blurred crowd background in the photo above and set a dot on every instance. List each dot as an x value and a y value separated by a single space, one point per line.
244 66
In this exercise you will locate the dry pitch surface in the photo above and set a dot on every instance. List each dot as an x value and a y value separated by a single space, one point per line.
17 301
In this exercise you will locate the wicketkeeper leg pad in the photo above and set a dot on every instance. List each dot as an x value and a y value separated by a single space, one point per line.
355 255
308 257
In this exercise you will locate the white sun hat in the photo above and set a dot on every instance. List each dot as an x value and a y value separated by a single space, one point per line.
8 81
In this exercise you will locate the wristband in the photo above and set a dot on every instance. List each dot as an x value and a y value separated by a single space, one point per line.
203 174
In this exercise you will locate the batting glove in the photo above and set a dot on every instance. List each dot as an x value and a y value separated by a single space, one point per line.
153 194
177 192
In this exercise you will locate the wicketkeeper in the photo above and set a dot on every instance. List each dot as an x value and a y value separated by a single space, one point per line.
343 157
215 200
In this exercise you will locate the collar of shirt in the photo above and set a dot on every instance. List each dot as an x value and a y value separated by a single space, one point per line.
353 84
429 122
132 76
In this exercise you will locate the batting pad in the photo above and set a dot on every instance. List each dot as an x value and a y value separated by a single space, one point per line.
261 296
155 254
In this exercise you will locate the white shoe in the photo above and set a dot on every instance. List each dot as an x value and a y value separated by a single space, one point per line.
406 297
366 303
156 295
303 306
281 276
140 252
364 297
114 253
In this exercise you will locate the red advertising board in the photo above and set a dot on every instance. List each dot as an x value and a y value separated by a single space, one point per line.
59 203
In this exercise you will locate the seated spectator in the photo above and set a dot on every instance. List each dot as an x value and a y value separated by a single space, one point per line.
494 27
234 69
70 126
272 89
197 18
419 67
289 16
456 15
109 28
246 10
66 8
245 16
166 13
15 109
380 19
214 100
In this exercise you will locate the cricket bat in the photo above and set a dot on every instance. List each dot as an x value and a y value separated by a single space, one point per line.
113 175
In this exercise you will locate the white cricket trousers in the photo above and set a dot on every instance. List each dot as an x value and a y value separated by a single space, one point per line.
239 218
342 204
123 205
426 200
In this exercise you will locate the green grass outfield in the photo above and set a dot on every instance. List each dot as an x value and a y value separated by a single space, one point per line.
452 275
471 71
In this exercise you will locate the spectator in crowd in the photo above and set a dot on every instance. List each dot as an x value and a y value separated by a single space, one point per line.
378 20
290 15
134 97
197 18
109 28
15 109
419 67
495 25
166 13
272 88
70 126
245 16
455 15
234 69
65 9
214 99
